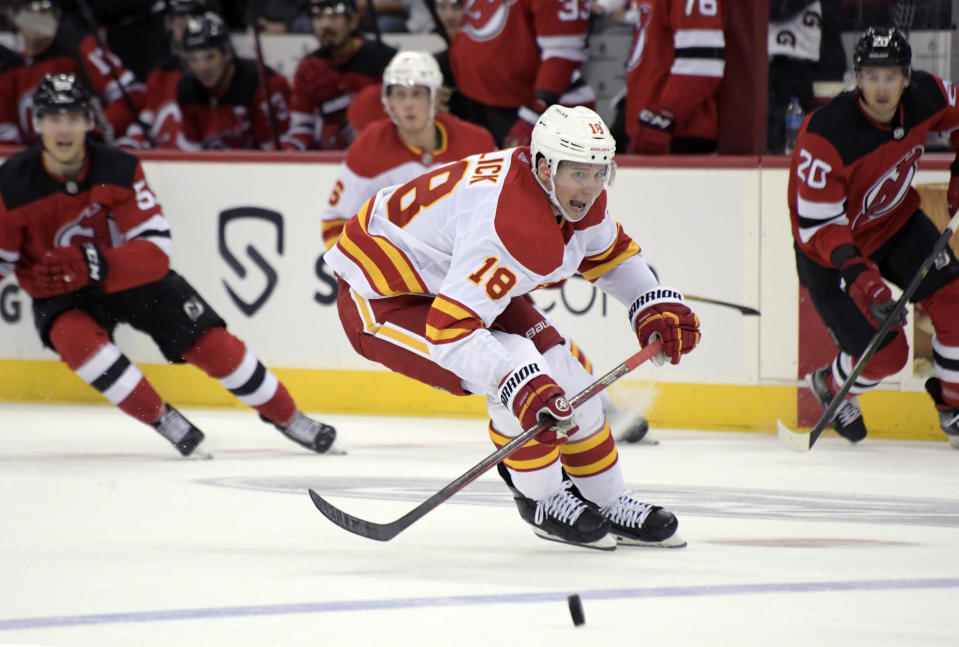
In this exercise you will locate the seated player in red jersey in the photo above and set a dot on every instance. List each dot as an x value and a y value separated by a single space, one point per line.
160 122
433 276
857 224
87 239
328 78
54 45
224 101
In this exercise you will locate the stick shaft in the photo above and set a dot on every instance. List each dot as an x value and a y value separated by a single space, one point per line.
837 399
385 532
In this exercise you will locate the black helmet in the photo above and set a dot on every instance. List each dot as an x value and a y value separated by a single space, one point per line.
318 7
206 31
60 93
192 7
882 47
36 5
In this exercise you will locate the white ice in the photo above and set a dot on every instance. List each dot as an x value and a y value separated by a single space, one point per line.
107 537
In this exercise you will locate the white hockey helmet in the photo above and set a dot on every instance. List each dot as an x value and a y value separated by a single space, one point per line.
572 134
412 68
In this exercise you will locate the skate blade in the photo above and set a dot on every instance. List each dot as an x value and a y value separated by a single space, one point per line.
676 541
606 542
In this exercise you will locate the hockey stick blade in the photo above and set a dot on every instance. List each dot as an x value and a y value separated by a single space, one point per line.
801 442
745 310
386 531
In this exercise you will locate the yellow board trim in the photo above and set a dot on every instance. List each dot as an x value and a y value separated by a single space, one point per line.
889 414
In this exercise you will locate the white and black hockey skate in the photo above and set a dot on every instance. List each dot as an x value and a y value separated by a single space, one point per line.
311 434
847 421
634 523
564 517
181 432
948 416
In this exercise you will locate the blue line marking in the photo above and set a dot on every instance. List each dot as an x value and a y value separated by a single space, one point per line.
469 600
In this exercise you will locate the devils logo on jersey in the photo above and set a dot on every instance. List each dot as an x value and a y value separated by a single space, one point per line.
76 227
485 19
891 188
643 12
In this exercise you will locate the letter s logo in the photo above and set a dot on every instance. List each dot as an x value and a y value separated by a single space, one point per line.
273 218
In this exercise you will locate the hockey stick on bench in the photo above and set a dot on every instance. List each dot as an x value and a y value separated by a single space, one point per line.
386 531
800 442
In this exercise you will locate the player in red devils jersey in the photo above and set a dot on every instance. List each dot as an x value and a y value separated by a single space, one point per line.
857 224
161 113
55 46
432 278
327 79
222 98
88 241
512 58
674 71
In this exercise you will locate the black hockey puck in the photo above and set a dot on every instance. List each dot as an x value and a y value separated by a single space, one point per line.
576 609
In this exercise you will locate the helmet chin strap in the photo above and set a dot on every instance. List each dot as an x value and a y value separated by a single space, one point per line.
551 193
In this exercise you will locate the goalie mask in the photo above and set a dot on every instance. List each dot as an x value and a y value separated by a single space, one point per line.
575 134
410 69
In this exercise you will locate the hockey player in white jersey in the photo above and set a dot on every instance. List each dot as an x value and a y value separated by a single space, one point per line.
430 272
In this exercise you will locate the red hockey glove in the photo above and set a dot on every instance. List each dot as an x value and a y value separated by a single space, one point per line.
521 132
952 195
533 396
660 312
861 281
317 81
68 269
655 134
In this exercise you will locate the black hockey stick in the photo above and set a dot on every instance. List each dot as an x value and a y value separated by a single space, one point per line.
264 81
87 13
746 310
440 27
386 531
800 442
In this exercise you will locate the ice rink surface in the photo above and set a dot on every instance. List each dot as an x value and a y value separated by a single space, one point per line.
108 538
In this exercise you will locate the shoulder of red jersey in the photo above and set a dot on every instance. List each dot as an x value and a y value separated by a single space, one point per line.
24 180
524 220
471 137
376 149
842 123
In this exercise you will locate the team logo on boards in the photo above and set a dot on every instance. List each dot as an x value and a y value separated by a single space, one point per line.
247 224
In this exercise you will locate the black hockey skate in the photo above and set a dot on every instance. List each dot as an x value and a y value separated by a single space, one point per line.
634 523
311 434
564 517
181 432
948 416
847 421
